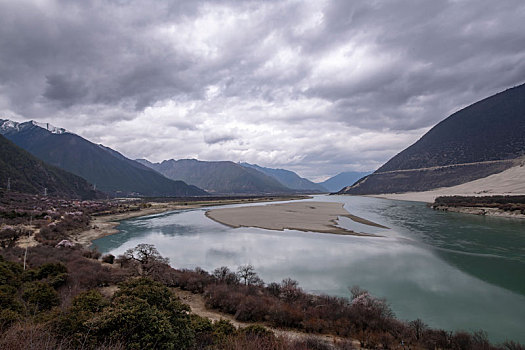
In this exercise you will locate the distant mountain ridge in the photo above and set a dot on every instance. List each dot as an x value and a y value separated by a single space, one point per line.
109 170
482 139
288 178
22 172
219 177
347 178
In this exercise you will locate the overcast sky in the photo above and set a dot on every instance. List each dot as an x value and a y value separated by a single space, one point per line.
318 87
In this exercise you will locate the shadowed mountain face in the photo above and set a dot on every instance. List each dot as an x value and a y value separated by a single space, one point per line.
288 178
219 177
28 174
347 178
109 170
480 140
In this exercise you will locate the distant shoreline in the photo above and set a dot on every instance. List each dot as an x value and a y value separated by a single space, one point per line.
494 212
102 226
429 197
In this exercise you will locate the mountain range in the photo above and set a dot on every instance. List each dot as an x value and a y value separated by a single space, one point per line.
219 177
482 139
113 173
107 169
289 178
347 178
22 172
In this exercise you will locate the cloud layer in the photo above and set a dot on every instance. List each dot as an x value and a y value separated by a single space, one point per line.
318 87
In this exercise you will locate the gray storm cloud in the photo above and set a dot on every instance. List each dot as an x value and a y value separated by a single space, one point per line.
318 87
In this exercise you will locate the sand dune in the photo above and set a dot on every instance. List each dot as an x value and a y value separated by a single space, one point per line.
508 182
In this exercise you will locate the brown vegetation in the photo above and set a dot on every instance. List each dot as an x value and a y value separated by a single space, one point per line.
504 203
54 219
56 304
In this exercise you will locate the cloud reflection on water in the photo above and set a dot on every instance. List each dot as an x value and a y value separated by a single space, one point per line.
414 279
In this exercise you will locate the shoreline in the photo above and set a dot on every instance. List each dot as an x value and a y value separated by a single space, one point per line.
506 183
482 211
105 225
423 197
320 217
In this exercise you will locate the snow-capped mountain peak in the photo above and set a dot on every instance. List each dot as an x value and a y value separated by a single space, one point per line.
49 127
7 125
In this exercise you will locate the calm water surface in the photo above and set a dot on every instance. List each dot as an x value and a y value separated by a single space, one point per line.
454 271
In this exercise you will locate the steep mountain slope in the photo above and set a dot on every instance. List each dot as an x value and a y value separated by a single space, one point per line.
480 140
107 169
347 178
218 177
508 182
28 174
288 178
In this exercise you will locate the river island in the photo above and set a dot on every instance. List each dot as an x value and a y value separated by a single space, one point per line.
305 216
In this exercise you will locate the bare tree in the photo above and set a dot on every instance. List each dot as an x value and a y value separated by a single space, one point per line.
418 327
146 256
290 290
224 275
357 291
248 275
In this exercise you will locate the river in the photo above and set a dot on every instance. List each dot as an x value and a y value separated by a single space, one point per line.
454 271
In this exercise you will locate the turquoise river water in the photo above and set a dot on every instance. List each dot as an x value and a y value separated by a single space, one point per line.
454 271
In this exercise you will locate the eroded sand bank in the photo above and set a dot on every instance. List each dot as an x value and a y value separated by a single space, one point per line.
301 216
508 182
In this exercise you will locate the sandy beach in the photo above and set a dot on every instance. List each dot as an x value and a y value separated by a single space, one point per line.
301 216
102 226
508 182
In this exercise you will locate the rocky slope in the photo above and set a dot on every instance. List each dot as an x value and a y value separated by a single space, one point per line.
482 139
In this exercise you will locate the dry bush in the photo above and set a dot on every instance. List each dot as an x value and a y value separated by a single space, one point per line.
194 280
223 298
88 274
286 315
108 258
253 308
249 342
31 336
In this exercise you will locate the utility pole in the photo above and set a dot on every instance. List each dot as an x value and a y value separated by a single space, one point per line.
8 183
28 237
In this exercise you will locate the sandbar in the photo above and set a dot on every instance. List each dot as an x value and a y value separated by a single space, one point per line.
301 216
106 225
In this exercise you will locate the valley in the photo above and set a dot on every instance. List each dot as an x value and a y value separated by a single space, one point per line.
262 175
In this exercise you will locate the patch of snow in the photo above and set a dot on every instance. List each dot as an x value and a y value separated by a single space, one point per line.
49 127
9 125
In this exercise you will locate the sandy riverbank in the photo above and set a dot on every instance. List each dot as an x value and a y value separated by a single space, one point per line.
510 182
102 226
301 216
